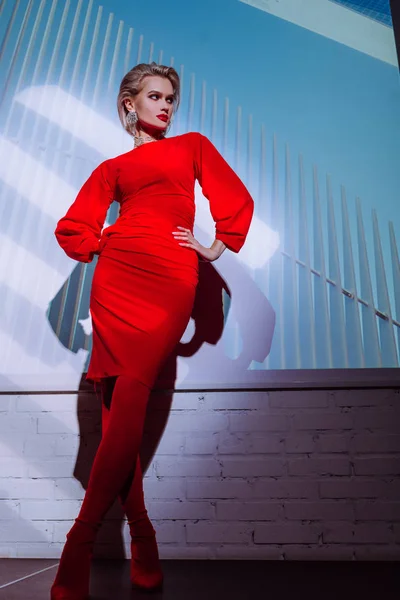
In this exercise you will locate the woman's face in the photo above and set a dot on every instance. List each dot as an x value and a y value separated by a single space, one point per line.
154 103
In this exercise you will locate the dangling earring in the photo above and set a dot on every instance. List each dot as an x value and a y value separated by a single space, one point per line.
131 120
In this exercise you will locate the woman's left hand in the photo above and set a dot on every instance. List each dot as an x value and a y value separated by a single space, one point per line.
186 239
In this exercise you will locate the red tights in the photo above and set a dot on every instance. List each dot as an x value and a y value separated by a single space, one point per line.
111 473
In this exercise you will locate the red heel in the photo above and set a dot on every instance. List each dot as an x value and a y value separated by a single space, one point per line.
73 575
146 573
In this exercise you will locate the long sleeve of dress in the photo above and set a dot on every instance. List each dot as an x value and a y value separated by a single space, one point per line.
79 231
231 205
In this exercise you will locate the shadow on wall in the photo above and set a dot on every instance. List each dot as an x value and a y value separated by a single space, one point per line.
209 316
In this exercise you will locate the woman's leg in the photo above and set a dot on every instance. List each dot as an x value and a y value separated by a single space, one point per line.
145 564
114 461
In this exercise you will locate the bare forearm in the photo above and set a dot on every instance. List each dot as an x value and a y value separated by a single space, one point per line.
217 248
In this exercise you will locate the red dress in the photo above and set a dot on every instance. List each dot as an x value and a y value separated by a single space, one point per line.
144 282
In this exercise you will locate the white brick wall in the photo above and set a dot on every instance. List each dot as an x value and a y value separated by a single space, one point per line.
296 475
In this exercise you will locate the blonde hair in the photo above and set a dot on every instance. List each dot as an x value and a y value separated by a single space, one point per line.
132 84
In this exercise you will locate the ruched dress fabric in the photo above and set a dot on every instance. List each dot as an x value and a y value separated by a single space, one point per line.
144 282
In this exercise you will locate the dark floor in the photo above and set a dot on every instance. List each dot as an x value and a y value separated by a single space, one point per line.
30 579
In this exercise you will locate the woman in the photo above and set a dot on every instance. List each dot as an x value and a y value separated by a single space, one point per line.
142 296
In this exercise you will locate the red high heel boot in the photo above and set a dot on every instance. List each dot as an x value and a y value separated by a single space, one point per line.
146 572
72 579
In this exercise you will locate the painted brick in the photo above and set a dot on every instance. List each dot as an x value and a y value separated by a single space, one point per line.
386 419
187 401
198 422
68 489
169 533
249 511
299 399
204 444
18 423
250 467
319 466
174 509
49 510
11 531
5 404
285 488
384 465
63 422
375 553
67 445
29 489
285 533
318 552
47 403
164 488
259 422
299 443
375 443
218 533
9 509
40 445
203 488
185 552
367 510
350 488
322 421
12 443
233 443
51 468
237 401
13 467
259 552
203 467
250 471
265 444
361 533
317 511
327 442
171 443
360 398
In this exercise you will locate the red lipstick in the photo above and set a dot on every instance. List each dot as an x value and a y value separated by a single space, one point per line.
162 118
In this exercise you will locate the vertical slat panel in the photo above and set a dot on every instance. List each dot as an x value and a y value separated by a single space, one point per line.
151 52
306 309
214 117
354 339
396 277
68 311
225 128
338 327
101 67
203 107
140 50
238 140
276 359
28 47
128 49
178 128
249 158
370 330
17 46
323 340
290 312
115 58
386 330
190 112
